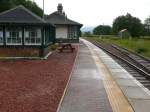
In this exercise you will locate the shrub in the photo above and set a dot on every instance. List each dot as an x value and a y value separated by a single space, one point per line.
141 50
87 34
54 46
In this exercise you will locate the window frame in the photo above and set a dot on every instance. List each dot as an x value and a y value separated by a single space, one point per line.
10 35
28 29
72 32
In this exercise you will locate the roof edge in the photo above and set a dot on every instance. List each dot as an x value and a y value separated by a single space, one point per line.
27 10
6 11
33 14
55 12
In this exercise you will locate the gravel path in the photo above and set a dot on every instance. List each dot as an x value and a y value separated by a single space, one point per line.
34 85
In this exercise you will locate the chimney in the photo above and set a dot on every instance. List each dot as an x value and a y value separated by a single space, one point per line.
60 9
63 14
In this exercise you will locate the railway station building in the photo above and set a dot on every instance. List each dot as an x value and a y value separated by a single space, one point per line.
22 33
67 30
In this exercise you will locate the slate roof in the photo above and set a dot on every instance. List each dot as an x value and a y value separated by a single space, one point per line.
20 14
56 19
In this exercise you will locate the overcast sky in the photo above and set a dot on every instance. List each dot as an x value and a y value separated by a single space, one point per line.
96 12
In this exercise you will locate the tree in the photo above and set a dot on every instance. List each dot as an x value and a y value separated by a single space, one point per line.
146 25
87 34
5 5
132 24
102 30
8 4
34 8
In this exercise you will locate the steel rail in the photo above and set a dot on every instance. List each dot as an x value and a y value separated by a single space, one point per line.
138 69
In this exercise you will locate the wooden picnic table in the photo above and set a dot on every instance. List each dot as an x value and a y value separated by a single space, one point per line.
65 46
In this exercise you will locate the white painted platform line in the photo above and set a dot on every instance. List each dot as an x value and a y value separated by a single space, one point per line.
137 95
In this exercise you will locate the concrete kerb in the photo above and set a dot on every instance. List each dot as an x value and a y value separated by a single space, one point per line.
28 58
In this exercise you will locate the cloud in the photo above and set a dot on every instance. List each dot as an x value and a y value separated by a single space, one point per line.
95 12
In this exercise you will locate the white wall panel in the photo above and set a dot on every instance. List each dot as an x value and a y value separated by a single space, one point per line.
61 32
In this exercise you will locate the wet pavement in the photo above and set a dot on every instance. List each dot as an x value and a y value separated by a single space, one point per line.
136 94
99 84
86 92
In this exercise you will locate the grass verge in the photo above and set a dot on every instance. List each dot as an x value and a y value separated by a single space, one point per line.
140 46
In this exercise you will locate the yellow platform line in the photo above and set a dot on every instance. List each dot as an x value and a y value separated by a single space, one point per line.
118 101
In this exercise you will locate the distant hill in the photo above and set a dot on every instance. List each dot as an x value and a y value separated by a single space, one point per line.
87 29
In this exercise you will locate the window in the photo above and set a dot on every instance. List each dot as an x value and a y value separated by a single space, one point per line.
14 36
1 36
32 36
72 32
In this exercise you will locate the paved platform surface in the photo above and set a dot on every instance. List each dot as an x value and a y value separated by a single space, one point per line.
85 92
99 84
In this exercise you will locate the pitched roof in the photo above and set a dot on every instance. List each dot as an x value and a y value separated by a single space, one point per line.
56 18
20 14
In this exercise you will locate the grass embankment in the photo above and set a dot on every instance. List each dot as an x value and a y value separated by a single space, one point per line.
140 46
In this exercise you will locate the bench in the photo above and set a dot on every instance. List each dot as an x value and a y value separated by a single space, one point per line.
63 47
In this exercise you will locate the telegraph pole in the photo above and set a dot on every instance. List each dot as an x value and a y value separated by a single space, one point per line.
43 9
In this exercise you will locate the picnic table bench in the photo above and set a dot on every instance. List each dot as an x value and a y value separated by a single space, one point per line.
66 47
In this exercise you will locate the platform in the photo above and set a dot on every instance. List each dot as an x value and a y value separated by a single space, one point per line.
99 84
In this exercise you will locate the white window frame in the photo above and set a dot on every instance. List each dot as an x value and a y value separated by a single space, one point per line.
28 29
13 30
1 33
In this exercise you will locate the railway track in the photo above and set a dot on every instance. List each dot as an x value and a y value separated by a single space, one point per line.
140 59
136 65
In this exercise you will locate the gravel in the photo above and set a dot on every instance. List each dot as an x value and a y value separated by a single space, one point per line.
34 85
